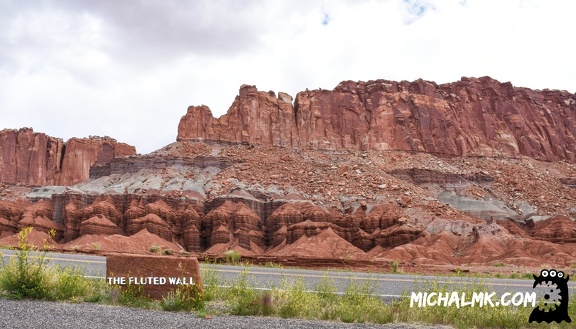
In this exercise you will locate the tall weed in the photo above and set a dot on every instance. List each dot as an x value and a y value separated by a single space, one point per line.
28 275
25 275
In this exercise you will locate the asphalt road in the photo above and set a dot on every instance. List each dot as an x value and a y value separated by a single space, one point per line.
92 266
385 286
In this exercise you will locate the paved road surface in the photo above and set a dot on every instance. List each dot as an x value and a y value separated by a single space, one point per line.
92 266
387 286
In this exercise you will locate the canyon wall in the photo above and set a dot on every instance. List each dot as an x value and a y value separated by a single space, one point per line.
471 117
31 158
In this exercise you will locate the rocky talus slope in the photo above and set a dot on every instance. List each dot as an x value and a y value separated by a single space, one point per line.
473 172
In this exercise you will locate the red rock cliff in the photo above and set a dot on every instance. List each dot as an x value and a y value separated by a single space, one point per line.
82 153
474 116
31 158
254 117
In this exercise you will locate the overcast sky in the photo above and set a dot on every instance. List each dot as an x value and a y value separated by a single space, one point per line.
129 69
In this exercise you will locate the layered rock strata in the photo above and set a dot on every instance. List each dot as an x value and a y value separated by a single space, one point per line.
258 184
30 158
471 117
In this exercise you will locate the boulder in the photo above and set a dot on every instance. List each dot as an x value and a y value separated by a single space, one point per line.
136 269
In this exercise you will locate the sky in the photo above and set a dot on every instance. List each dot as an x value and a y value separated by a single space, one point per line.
130 69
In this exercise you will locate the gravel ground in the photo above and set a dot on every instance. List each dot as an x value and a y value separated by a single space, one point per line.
42 314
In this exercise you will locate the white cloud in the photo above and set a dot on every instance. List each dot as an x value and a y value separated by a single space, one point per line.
130 69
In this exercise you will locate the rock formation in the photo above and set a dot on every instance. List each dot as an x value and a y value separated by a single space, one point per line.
234 222
30 158
98 224
370 172
472 117
82 153
153 223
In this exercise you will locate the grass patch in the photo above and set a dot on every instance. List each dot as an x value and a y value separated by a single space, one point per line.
273 265
243 298
358 304
394 266
155 249
232 257
27 275
131 295
184 298
293 300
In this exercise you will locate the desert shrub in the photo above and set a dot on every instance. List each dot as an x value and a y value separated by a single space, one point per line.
294 300
326 288
210 282
244 299
357 304
99 292
156 249
70 283
133 295
232 257
26 275
394 265
184 298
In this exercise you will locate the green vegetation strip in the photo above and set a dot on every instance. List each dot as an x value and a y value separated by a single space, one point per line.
29 277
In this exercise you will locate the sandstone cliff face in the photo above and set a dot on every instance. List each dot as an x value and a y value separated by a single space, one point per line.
469 117
254 117
83 153
279 197
30 158
234 222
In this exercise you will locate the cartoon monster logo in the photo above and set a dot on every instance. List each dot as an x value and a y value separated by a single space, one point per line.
553 305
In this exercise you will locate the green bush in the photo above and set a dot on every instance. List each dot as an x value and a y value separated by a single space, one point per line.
99 292
394 266
232 257
210 282
295 301
244 299
184 298
133 295
326 288
359 305
155 249
27 275
70 283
